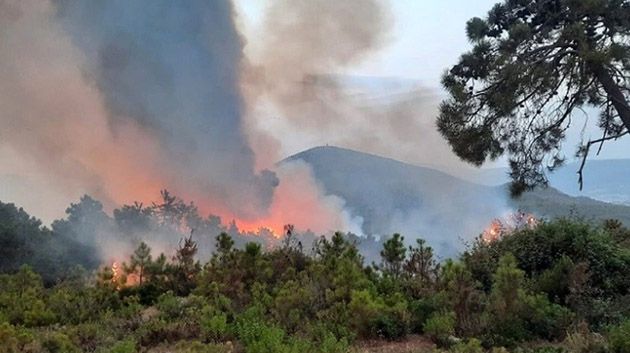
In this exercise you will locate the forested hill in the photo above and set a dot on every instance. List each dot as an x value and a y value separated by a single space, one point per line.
381 189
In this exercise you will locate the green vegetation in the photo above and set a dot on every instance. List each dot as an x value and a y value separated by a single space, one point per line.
561 286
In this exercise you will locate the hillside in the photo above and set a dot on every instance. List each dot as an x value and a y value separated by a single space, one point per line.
604 180
419 201
552 203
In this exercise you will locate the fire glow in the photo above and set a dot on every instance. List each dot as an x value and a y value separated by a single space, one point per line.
501 227
300 200
121 279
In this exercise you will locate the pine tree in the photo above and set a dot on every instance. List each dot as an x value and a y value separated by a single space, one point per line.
139 261
533 64
393 255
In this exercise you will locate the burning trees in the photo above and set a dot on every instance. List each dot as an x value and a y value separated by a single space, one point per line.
500 227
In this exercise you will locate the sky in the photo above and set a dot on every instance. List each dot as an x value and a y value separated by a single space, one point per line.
427 38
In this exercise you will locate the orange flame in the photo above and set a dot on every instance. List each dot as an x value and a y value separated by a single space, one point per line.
297 200
493 232
119 279
508 224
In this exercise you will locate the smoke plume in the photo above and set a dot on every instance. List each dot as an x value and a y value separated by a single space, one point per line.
296 78
56 138
118 100
173 68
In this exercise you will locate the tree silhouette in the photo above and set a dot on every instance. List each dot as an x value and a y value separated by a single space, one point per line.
139 262
393 255
533 64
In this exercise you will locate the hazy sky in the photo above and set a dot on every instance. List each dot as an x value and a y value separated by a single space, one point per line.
427 38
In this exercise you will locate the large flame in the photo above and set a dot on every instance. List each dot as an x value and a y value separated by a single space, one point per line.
297 200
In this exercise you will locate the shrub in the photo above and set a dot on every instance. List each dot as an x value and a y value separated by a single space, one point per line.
91 335
131 308
57 342
365 309
389 327
440 326
619 337
330 344
169 305
545 319
262 338
158 330
126 346
12 339
292 304
320 331
546 349
38 315
421 310
214 325
499 350
471 346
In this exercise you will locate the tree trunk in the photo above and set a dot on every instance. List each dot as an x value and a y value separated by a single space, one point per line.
617 97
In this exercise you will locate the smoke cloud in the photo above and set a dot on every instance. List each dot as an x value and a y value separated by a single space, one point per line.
56 140
173 68
296 78
118 100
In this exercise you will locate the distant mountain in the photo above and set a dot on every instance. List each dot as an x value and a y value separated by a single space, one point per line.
605 180
393 196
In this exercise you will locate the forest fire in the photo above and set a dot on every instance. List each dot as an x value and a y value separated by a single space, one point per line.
299 200
116 274
500 227
493 232
120 278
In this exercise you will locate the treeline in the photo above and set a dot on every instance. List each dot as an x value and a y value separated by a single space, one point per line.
561 286
88 236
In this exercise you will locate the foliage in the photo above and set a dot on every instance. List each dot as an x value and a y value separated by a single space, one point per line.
13 339
534 284
393 255
440 326
471 346
532 65
214 325
619 337
126 346
574 263
57 342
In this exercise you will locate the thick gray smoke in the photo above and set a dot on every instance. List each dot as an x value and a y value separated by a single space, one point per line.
173 67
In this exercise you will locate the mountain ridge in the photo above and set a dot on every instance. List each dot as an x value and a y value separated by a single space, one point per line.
394 196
